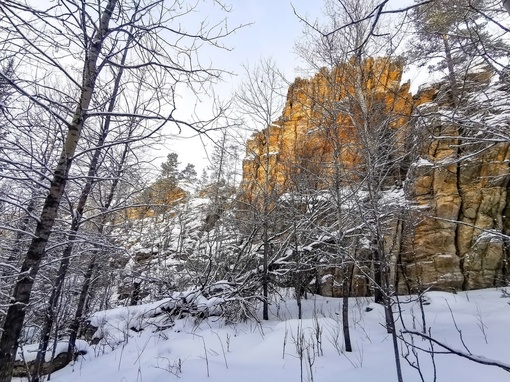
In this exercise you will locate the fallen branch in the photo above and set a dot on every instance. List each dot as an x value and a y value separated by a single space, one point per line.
472 357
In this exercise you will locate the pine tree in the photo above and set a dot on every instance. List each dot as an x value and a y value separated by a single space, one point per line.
170 169
453 36
189 174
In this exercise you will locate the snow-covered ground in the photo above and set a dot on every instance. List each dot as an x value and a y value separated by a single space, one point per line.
474 322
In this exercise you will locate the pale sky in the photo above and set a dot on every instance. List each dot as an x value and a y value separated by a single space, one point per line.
273 34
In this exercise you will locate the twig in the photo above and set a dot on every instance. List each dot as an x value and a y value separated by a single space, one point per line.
475 358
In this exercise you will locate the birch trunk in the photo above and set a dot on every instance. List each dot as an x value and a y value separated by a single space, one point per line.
21 296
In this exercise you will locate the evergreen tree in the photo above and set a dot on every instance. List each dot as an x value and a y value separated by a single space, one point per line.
170 168
453 36
204 178
189 174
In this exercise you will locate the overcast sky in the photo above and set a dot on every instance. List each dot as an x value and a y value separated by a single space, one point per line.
270 30
273 32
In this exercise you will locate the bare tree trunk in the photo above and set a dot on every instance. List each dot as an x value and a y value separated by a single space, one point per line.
346 291
378 277
76 222
260 99
299 279
21 296
75 325
265 279
390 325
17 246
451 71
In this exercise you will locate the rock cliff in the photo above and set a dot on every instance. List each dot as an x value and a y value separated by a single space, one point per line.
452 165
459 187
319 123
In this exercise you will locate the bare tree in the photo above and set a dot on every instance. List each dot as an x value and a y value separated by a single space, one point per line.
360 116
260 99
381 149
21 295
94 35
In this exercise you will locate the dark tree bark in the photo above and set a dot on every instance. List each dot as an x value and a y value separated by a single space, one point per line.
378 277
346 292
21 296
265 278
75 325
76 222
80 310
451 70
506 5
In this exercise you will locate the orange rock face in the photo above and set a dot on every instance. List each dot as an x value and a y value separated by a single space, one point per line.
160 197
323 125
337 124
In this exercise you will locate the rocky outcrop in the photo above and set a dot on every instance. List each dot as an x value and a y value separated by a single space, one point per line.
459 193
306 140
451 234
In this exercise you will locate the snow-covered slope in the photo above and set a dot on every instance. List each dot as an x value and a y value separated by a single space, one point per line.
288 349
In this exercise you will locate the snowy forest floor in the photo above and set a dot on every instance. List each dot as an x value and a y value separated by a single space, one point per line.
311 349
